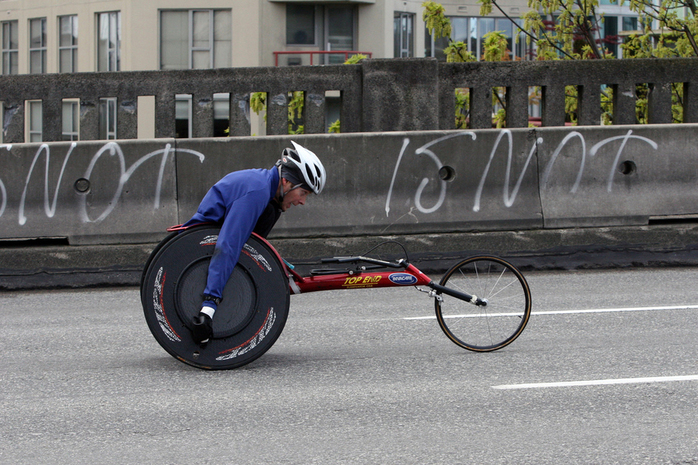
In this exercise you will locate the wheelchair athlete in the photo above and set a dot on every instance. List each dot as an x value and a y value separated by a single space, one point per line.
250 201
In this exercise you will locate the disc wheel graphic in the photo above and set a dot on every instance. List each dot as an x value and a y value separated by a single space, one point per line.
250 317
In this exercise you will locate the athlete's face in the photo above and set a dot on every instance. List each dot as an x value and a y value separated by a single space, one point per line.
293 197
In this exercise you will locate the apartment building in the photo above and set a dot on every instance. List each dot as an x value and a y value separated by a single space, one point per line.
68 36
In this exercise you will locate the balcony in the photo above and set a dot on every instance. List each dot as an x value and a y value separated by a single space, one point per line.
315 57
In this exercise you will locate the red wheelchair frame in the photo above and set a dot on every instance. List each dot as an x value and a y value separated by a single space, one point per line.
406 274
482 323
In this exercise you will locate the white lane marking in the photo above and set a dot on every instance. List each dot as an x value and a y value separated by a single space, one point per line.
475 315
563 312
621 309
598 382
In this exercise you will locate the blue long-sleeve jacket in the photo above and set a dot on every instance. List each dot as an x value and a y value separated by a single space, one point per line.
238 200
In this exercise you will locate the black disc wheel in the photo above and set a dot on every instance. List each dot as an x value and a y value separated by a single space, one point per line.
502 317
248 320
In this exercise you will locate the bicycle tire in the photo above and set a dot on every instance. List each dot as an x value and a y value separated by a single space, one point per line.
250 317
492 326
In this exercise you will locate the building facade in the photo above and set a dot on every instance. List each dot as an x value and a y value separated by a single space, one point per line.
68 36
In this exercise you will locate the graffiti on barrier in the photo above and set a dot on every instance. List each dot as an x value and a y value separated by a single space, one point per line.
430 194
123 175
509 194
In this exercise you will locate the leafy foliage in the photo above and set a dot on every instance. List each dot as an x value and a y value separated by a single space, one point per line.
495 49
334 128
354 59
572 36
296 104
434 17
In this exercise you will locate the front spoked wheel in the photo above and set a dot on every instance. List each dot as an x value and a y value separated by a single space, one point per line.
507 308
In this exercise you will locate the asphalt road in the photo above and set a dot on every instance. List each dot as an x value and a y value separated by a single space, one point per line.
351 380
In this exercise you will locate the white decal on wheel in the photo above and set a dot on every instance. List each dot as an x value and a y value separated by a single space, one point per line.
159 309
253 341
256 256
209 240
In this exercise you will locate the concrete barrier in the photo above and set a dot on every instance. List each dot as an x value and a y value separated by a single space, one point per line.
88 192
431 182
386 183
622 175
549 198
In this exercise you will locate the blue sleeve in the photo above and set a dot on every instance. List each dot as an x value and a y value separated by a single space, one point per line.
238 224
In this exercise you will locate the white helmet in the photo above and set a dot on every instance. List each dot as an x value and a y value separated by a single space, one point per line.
303 168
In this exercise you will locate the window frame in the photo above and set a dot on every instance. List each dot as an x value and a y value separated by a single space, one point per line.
113 54
10 56
476 28
108 121
39 50
33 133
212 40
399 40
208 49
318 25
72 48
73 134
183 103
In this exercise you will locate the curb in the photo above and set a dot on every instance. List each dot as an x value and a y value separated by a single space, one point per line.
51 267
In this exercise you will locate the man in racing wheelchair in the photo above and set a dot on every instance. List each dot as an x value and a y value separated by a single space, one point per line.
249 201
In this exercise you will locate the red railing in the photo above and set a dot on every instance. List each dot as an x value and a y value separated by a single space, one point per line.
346 53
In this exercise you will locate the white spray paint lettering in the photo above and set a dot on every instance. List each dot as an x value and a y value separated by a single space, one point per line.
510 197
111 149
426 150
3 191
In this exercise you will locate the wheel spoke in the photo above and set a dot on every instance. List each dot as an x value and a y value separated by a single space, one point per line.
489 327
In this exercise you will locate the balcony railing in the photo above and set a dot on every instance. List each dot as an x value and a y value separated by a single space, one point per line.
340 56
401 94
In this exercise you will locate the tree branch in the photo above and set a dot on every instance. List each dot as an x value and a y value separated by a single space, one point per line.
585 26
691 39
547 39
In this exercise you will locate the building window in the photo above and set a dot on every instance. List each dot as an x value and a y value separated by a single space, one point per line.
109 42
68 44
629 23
183 115
403 35
71 120
300 24
328 27
35 120
107 118
613 28
609 34
339 26
195 39
10 47
37 46
471 31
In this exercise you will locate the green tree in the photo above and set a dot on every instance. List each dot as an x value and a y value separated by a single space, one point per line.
258 104
572 36
434 17
495 49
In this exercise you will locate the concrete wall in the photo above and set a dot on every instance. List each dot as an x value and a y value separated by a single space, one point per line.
88 192
378 183
376 95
